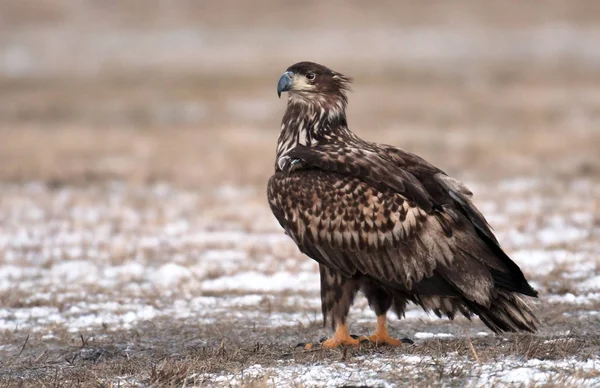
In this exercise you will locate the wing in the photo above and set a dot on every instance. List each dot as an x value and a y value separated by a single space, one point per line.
385 166
364 162
421 186
348 225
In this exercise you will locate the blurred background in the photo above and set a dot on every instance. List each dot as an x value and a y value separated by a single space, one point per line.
183 92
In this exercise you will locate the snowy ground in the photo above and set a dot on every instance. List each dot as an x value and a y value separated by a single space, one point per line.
89 273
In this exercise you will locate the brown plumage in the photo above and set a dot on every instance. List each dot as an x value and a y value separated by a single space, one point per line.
383 220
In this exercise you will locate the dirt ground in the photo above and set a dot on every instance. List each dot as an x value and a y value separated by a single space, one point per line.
136 139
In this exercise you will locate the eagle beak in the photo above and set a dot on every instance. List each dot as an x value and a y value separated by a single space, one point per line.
285 83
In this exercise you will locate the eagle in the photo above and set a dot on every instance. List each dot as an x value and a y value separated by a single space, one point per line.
384 221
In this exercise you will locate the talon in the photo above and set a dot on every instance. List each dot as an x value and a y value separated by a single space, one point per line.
384 339
340 338
381 335
407 341
333 343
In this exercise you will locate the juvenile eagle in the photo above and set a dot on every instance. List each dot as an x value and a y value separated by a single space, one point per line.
383 220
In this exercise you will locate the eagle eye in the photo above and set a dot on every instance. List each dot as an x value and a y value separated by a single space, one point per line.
310 76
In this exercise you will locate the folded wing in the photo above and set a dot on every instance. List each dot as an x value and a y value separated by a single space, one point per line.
360 211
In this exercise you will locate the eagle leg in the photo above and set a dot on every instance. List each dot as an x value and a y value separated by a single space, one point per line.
340 337
381 335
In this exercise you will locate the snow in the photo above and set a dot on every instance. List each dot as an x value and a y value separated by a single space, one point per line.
54 251
169 275
222 255
408 370
525 375
80 271
130 271
320 375
538 372
569 298
544 261
85 260
422 335
518 185
256 281
591 284
559 233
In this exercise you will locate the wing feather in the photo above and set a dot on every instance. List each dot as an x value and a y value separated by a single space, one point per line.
370 166
409 247
391 215
423 190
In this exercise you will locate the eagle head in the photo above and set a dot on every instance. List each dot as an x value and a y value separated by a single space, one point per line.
311 81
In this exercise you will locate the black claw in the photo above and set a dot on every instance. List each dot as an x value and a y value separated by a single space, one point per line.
323 339
407 341
355 336
301 344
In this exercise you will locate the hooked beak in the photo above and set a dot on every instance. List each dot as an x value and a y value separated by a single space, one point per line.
285 83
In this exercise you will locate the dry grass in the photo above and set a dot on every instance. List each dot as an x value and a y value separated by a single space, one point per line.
164 353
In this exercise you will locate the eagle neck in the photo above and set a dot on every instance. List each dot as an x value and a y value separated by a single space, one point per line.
311 123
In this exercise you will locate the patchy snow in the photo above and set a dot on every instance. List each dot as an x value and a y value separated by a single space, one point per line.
591 284
539 372
544 261
560 232
169 275
110 258
400 370
256 281
422 335
320 375
569 298
518 185
80 271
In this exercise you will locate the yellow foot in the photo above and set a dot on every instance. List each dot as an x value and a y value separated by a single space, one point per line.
341 337
381 336
334 342
383 339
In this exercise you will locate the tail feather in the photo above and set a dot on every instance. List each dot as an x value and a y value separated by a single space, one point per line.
509 312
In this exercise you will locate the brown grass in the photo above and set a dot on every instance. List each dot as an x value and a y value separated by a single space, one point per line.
167 354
